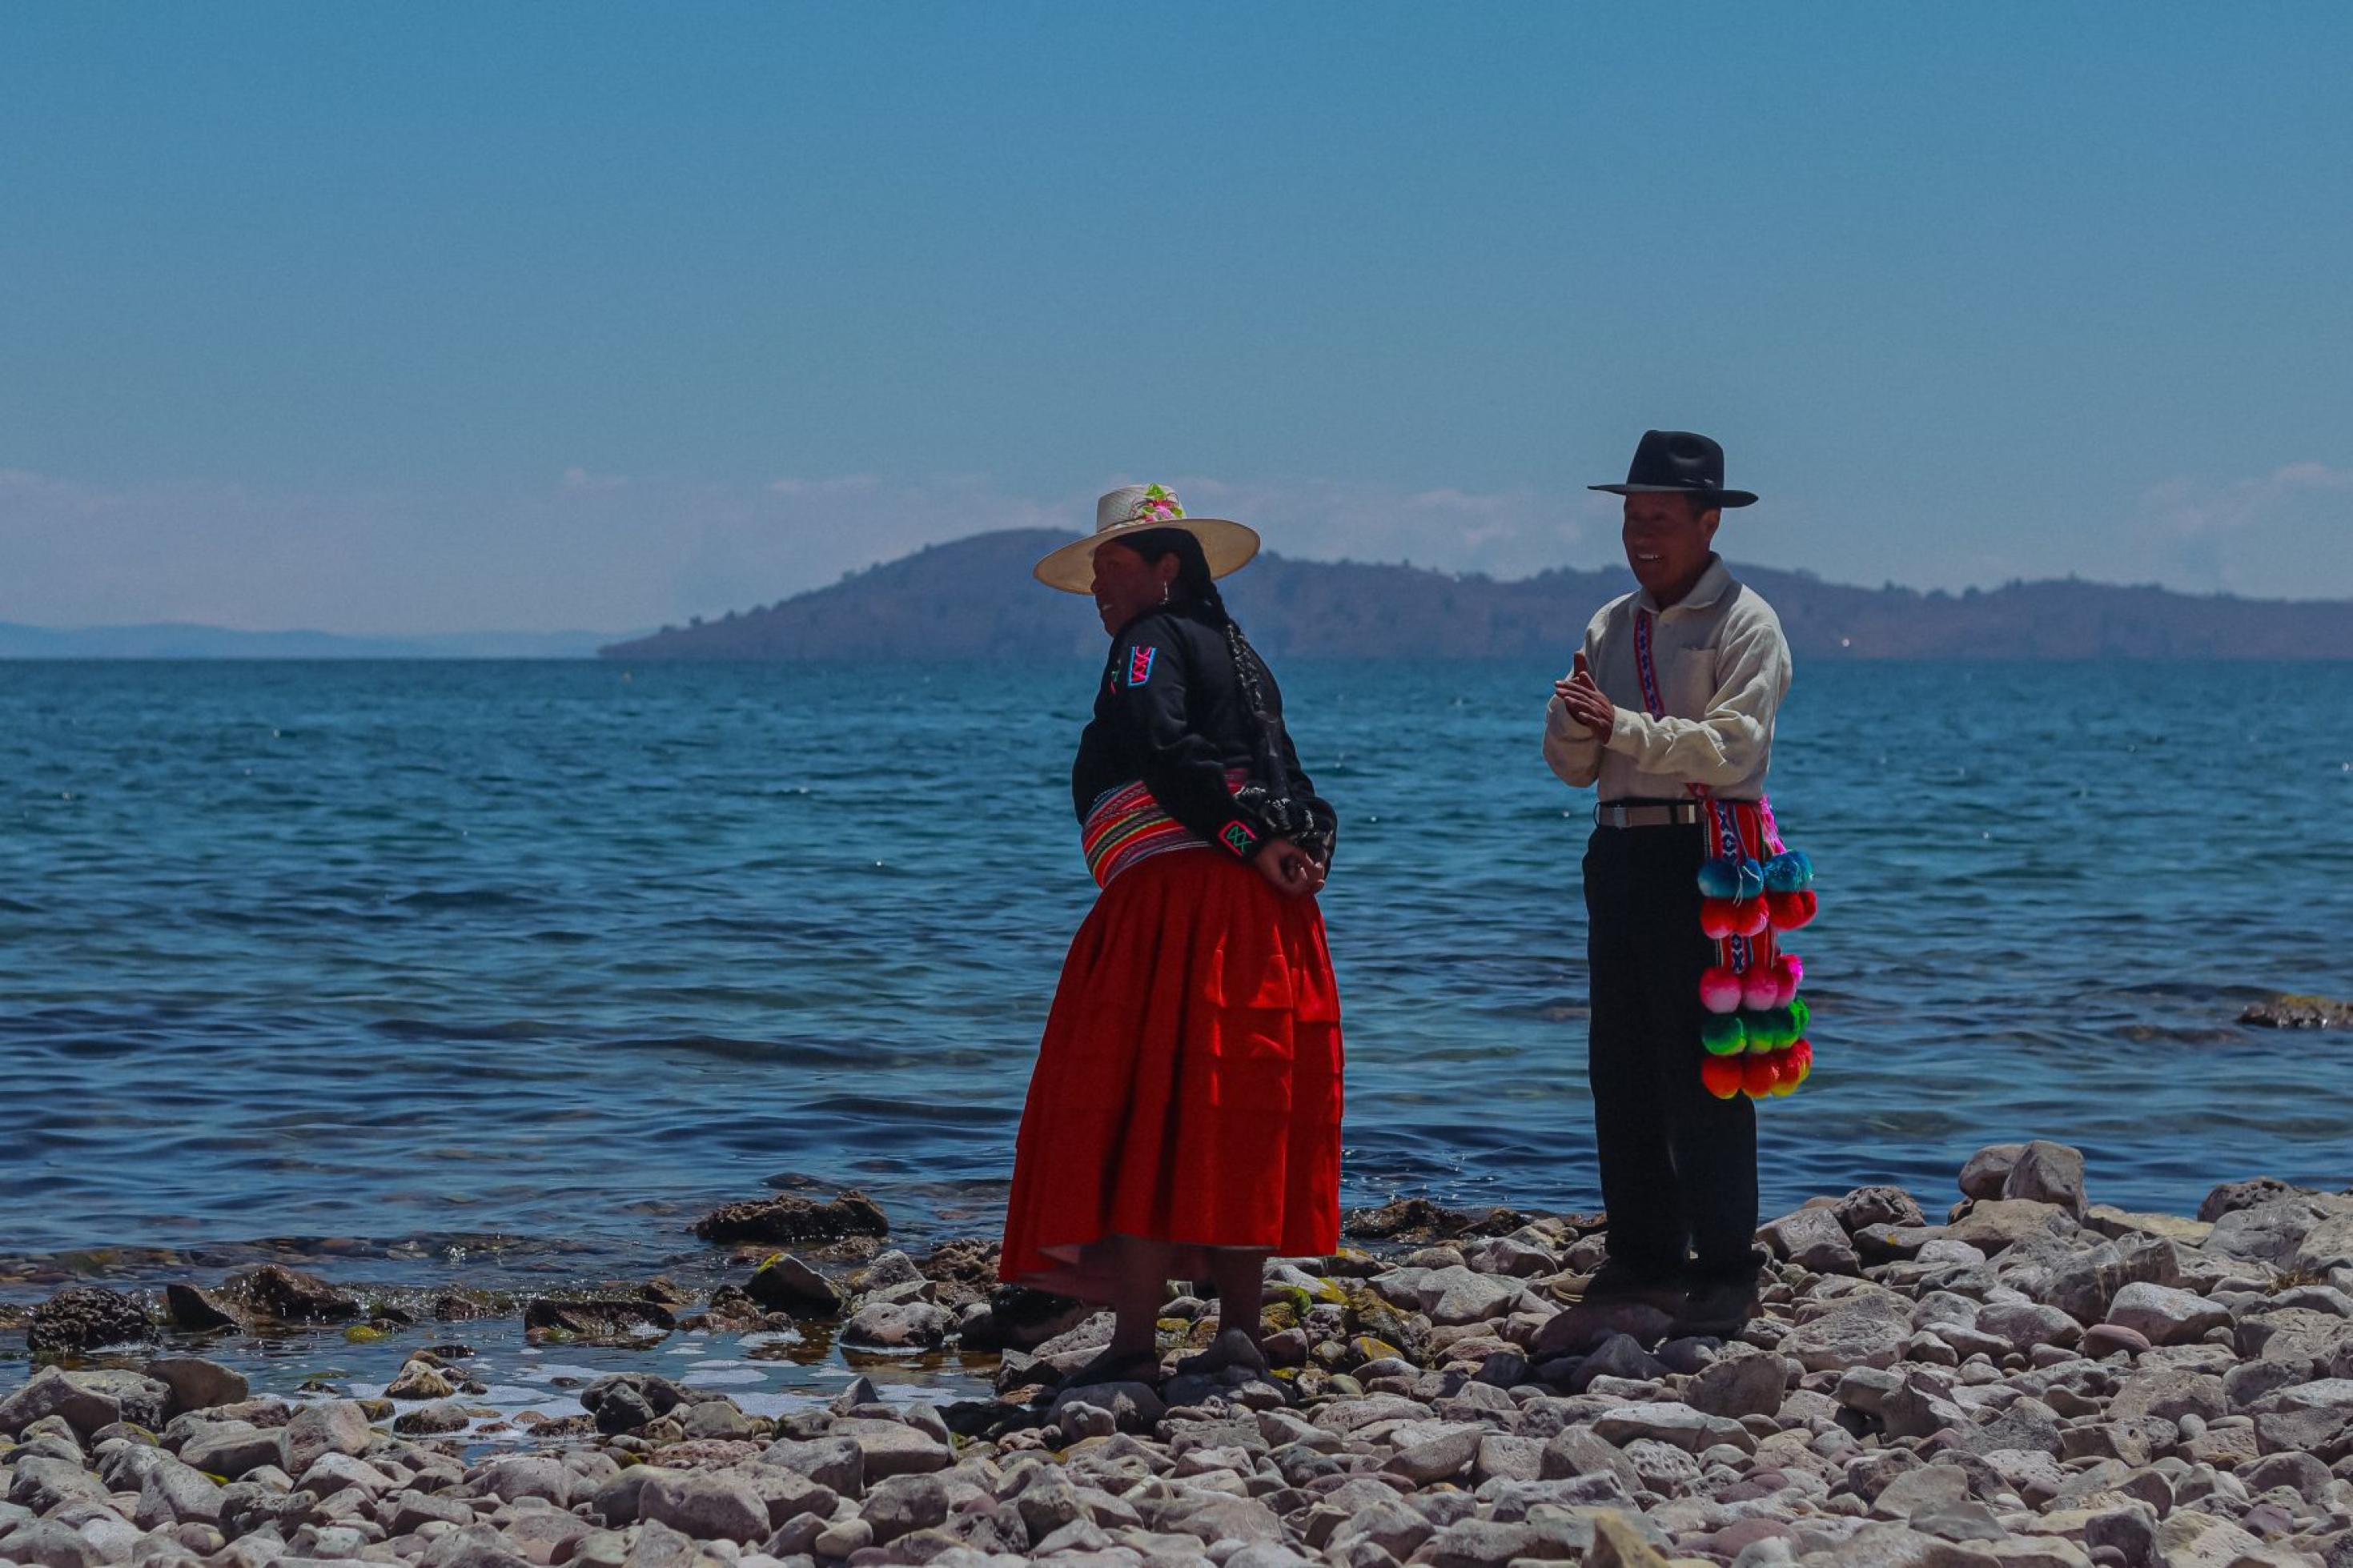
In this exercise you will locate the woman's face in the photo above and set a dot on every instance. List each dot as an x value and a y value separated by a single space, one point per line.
1127 584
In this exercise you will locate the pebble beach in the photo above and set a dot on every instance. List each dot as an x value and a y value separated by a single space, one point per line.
2011 1373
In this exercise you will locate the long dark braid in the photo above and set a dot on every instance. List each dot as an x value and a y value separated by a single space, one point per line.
1270 792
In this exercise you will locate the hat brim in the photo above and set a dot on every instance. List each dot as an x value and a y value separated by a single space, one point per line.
1721 498
1227 545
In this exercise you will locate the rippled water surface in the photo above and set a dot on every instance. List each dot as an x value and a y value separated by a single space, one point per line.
510 970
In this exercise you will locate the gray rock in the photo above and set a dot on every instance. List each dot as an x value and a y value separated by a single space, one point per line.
2166 1316
888 1449
717 1418
1585 1325
1868 1206
837 1463
1581 1451
514 1477
1742 1382
2048 1173
1678 1425
1618 1355
903 1504
1994 1223
475 1546
1927 1489
898 1325
786 1284
1986 1171
1439 1459
705 1506
1867 1328
231 1449
196 1383
2022 1325
173 1493
329 1427
1813 1238
333 1473
44 1543
2028 1424
44 1484
52 1392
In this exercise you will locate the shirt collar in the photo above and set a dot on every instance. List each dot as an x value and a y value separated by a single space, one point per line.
1712 585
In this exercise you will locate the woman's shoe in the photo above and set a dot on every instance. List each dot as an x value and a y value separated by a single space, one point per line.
1127 1366
1231 1348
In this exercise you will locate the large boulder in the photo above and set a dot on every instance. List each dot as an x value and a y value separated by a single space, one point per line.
1984 1171
705 1506
785 1284
53 1391
329 1427
790 1220
85 1318
2048 1173
1813 1238
1868 1327
2165 1315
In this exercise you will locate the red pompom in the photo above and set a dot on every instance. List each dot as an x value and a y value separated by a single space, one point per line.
1756 916
1801 1053
1721 918
1757 1077
1723 1076
1790 911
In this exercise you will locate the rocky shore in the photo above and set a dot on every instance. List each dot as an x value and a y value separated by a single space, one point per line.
2024 1379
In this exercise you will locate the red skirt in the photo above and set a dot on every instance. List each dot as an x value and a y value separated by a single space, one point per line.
1187 1090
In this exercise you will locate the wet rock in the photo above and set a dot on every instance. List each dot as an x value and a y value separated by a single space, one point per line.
785 1284
596 1322
437 1419
897 1325
1418 1219
194 1310
420 1379
2298 1013
789 1220
52 1392
231 1449
291 1296
84 1317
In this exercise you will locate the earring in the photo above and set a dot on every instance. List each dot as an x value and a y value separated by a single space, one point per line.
1164 593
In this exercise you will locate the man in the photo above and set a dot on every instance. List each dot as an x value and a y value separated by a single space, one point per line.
1668 706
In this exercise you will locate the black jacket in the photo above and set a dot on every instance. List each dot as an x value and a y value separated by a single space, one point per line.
1170 712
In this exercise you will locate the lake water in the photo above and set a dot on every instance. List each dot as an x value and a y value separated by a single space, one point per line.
505 972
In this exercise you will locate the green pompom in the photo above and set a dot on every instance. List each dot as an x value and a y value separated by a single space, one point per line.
1723 1034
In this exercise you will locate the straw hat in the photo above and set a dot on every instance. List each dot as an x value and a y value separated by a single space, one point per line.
1135 509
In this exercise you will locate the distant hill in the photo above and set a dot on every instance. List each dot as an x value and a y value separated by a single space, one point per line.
178 640
975 599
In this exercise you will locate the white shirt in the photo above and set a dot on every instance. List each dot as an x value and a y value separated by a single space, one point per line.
1723 669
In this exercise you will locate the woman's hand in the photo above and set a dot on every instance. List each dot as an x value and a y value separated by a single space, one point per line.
1292 869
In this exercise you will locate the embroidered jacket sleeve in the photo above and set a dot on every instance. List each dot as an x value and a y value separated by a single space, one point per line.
1725 744
1573 751
1153 689
1302 788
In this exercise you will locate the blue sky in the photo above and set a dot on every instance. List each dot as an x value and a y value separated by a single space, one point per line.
429 318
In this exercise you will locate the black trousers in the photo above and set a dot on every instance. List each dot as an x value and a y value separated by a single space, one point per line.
1678 1166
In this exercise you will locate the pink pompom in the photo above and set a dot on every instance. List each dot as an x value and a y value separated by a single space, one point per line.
1787 971
1760 988
1720 989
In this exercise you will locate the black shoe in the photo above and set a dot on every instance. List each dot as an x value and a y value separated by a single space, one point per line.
1718 1305
1624 1280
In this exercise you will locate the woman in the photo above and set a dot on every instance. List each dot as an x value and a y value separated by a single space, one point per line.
1184 1116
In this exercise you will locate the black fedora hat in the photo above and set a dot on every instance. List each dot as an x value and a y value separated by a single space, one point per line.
1680 461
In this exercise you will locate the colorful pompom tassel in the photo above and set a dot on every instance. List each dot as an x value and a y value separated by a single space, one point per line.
1723 1034
1787 911
1788 969
1723 1076
1752 880
1788 871
1719 879
1721 919
1757 1077
1760 988
1720 989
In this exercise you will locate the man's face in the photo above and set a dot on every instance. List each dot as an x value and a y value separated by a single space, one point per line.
1668 540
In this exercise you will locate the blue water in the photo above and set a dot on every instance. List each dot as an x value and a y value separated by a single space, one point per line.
510 970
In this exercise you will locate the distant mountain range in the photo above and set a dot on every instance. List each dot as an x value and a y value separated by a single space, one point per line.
975 599
174 640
